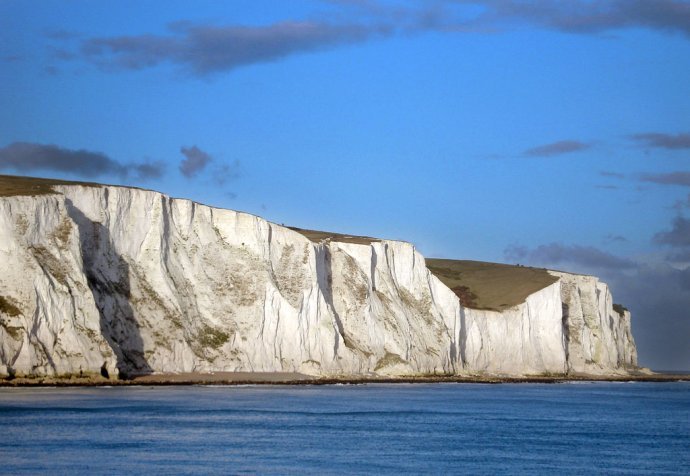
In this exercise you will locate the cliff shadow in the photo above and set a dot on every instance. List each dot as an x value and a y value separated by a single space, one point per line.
462 338
324 277
107 274
565 315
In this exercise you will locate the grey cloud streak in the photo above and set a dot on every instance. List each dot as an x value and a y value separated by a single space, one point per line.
680 205
587 17
556 148
197 161
204 49
147 170
611 238
678 236
12 58
680 178
607 187
227 172
27 157
612 174
663 141
558 254
194 162
571 16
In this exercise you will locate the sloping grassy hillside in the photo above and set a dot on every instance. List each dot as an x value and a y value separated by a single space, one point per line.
11 185
490 286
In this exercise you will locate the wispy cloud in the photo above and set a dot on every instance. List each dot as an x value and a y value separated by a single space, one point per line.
61 54
678 236
558 254
26 157
571 16
205 49
556 148
227 172
681 205
607 187
195 160
682 256
11 58
61 35
680 178
663 141
611 238
50 70
146 170
587 17
608 174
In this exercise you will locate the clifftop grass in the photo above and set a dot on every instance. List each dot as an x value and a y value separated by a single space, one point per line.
489 286
15 185
11 186
318 236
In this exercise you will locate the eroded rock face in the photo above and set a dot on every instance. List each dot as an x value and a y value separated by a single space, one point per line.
119 281
599 339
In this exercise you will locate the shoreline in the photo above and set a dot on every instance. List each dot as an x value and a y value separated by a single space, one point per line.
293 379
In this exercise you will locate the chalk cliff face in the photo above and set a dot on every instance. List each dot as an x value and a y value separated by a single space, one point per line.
122 281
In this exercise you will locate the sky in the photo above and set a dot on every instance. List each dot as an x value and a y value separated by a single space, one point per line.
550 133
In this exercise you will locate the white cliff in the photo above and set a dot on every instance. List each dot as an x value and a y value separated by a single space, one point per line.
122 281
599 338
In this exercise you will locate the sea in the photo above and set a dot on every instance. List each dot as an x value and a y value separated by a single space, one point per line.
441 428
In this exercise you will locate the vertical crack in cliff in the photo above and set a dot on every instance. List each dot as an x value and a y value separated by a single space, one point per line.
374 263
107 275
463 337
33 336
565 314
325 282
164 244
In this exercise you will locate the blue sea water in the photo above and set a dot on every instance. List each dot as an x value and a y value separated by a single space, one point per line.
584 428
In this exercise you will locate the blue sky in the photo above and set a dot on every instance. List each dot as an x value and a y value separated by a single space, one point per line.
547 133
